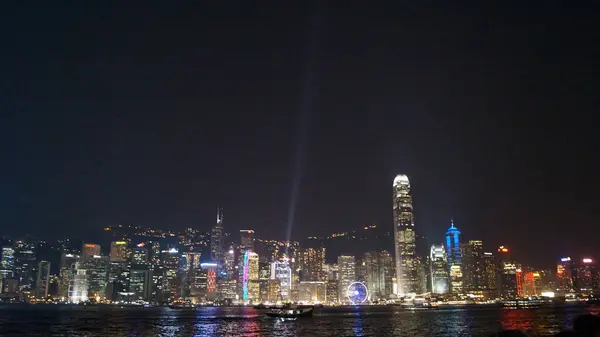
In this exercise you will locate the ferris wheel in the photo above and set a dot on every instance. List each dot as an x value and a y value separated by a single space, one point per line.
357 293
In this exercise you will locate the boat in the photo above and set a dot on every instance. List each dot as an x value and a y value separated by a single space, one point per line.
291 313
287 319
181 305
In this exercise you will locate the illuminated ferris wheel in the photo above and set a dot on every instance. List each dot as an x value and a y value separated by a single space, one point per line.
357 293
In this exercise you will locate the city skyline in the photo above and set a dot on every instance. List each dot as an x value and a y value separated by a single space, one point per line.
300 117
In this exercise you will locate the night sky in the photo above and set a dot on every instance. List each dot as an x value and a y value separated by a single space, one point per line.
120 114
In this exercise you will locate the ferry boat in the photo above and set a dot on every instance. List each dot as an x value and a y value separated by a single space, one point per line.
290 313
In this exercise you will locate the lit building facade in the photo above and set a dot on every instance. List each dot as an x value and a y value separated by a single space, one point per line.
586 276
312 292
490 270
281 271
564 276
347 275
404 237
217 244
66 273
119 252
7 264
310 262
43 279
474 268
89 250
438 268
379 272
455 260
508 274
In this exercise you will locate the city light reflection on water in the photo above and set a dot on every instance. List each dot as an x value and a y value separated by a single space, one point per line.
245 321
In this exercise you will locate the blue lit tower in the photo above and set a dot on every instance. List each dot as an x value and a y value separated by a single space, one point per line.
454 254
407 264
453 245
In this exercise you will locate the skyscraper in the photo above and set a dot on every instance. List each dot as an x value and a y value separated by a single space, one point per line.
454 255
379 272
311 262
89 250
216 239
474 267
42 282
404 237
585 276
438 267
119 251
347 274
564 275
7 264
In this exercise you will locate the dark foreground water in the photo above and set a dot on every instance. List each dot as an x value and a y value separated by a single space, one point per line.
206 322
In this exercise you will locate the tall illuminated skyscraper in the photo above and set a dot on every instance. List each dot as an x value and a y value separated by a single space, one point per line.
438 267
454 253
404 237
347 275
119 251
217 249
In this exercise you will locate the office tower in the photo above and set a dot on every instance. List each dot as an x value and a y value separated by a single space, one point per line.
191 261
172 282
42 281
7 264
490 271
331 271
532 284
310 262
347 274
97 277
230 264
119 251
78 292
474 268
89 250
250 289
586 276
139 285
210 270
438 268
508 274
361 270
564 276
281 271
267 250
247 239
66 274
139 255
404 237
216 239
379 272
25 264
332 292
273 291
312 292
454 255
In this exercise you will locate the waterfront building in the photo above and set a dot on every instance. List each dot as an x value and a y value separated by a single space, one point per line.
312 292
438 268
454 255
475 281
332 292
564 276
217 244
281 271
404 237
229 264
97 276
171 262
66 273
347 274
508 274
490 271
253 277
42 280
586 276
139 283
119 252
78 290
25 265
89 250
210 277
273 291
379 272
